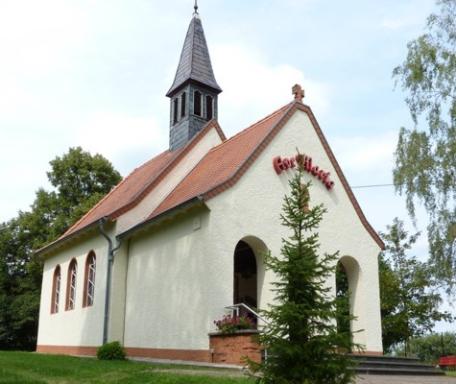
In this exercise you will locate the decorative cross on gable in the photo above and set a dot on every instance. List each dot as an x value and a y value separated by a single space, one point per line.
298 92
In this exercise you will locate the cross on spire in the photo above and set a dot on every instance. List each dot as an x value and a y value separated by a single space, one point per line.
298 92
196 7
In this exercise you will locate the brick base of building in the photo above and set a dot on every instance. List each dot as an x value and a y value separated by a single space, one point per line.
224 349
67 350
235 348
153 353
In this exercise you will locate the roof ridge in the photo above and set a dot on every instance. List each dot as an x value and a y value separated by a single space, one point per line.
270 116
206 127
286 108
112 191
156 176
146 163
95 206
175 159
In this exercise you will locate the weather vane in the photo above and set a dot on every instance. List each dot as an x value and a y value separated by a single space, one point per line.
196 6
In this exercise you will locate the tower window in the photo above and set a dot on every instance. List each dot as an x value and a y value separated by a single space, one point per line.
197 104
71 285
209 107
183 103
175 110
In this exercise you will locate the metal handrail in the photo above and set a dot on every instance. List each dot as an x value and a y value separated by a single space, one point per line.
236 308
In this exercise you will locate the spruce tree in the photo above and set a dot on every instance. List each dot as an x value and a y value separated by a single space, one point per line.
301 339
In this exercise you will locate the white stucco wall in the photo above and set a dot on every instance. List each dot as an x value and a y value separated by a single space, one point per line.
84 326
180 279
118 294
175 285
169 182
253 205
80 326
172 282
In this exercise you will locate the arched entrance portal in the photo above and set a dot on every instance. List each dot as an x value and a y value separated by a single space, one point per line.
245 275
347 280
343 296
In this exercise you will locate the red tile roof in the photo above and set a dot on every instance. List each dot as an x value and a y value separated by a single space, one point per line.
126 191
217 171
222 162
131 190
223 166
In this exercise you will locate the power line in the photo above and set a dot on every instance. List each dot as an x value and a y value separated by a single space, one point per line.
372 186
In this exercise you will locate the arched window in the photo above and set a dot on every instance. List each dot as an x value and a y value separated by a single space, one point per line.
197 104
71 285
183 103
89 279
175 110
55 299
209 107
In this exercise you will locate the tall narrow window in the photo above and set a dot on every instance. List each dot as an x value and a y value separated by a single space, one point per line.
197 104
89 279
71 285
209 108
175 110
183 103
55 299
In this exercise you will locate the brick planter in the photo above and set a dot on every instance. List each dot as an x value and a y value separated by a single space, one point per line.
233 348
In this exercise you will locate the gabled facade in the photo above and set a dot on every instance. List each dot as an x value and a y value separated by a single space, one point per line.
181 238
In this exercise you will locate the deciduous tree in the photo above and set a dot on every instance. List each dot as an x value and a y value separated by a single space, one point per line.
79 180
426 154
409 292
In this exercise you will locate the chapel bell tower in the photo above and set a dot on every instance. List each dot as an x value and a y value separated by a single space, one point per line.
194 92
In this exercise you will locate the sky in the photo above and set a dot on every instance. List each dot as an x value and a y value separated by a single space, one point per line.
94 73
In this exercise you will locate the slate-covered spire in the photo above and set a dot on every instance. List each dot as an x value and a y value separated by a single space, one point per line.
195 62
194 91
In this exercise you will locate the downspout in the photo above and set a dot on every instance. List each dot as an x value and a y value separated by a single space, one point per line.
111 252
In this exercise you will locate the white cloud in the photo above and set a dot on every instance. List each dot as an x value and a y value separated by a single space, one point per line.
116 135
33 34
37 38
408 15
400 22
366 153
252 88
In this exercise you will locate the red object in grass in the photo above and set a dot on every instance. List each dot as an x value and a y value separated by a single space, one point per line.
447 361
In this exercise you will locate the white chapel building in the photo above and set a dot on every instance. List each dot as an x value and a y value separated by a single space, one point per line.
181 238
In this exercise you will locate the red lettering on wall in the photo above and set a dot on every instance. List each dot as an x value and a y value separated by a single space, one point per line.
304 161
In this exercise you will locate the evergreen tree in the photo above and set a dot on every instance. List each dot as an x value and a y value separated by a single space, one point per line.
301 338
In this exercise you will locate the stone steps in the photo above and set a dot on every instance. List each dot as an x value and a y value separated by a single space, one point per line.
386 365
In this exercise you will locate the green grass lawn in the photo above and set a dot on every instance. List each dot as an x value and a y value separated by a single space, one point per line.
28 368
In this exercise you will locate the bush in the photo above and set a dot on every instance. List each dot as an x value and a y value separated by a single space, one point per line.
111 351
430 348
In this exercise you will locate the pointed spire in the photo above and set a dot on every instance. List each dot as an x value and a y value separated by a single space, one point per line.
195 63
